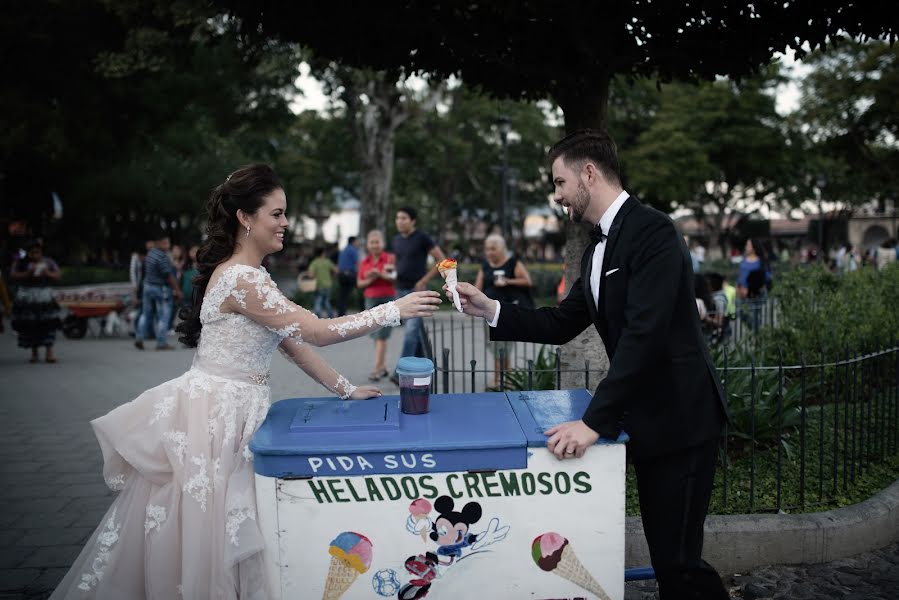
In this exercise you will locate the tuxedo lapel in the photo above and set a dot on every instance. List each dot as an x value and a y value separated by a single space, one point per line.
608 253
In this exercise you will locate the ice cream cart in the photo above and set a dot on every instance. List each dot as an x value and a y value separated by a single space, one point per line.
357 500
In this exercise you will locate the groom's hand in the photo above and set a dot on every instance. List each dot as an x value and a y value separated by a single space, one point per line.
570 440
474 302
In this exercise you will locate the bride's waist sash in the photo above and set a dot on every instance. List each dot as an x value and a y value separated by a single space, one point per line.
230 372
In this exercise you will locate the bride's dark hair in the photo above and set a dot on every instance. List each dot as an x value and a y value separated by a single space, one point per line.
245 189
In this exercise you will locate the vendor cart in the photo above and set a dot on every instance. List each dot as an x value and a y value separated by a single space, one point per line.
100 307
359 501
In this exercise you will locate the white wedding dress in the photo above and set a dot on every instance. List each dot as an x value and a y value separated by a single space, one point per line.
184 523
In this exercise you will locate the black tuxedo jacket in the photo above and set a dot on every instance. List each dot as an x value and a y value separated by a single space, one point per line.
662 388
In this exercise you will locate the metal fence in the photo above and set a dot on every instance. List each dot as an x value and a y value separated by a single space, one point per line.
801 435
466 358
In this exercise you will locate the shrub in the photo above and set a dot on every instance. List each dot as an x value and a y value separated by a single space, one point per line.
544 377
823 313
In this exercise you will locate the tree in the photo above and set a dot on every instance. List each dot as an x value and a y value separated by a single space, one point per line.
131 111
568 51
375 104
717 149
848 108
447 160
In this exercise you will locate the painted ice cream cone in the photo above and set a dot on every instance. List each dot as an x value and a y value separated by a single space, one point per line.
340 577
419 510
350 557
552 552
447 268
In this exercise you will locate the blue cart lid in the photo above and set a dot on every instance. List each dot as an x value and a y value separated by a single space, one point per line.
317 437
537 411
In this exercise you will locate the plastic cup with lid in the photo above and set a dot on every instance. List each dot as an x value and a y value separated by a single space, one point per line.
415 384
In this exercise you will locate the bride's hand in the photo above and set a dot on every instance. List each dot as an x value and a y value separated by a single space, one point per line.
418 304
364 392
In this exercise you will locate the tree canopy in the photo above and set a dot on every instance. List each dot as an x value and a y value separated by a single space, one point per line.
849 115
715 149
568 51
131 112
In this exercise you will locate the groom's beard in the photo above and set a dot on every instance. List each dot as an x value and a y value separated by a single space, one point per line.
579 203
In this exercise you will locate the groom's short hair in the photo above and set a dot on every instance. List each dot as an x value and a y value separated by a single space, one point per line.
594 145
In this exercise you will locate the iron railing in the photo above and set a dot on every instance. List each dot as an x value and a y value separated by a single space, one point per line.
819 425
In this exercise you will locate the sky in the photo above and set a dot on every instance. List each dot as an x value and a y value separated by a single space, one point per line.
787 99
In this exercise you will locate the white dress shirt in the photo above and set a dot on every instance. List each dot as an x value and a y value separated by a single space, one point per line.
605 221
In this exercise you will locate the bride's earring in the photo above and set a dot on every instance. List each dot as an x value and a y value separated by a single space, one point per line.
248 231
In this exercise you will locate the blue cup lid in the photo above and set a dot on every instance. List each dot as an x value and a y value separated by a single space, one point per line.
413 365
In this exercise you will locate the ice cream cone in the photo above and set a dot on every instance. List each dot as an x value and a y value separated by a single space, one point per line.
447 268
571 568
341 576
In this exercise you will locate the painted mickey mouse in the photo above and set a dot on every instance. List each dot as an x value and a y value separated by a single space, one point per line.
450 530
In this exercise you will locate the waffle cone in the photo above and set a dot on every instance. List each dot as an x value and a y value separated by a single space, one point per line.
571 568
340 577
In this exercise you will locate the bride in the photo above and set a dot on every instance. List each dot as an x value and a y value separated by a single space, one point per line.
184 522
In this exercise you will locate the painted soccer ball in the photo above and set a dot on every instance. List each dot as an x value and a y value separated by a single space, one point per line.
385 582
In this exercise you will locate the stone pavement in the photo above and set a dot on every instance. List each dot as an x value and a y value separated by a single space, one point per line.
52 493
868 576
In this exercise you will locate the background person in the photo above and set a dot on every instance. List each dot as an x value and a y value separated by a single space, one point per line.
187 277
377 272
503 277
347 268
35 313
136 277
179 262
752 283
719 317
5 302
731 293
411 247
754 260
322 269
161 290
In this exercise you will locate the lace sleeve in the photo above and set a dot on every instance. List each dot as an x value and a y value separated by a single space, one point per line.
315 366
256 296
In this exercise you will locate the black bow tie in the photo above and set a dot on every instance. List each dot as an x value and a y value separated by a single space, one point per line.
596 235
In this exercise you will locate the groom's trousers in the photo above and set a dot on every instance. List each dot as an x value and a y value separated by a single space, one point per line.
674 498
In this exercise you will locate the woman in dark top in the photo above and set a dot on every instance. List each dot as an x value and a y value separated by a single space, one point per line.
503 277
35 313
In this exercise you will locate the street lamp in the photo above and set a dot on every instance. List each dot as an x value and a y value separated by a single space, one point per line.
318 212
821 182
504 124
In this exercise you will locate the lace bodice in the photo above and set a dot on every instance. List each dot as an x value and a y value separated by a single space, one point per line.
245 317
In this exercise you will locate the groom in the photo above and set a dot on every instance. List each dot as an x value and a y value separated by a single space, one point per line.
636 288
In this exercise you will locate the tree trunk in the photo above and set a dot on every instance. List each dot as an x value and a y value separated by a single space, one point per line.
375 121
584 108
